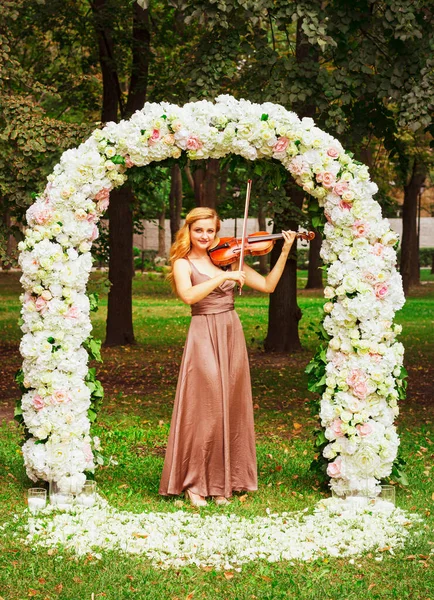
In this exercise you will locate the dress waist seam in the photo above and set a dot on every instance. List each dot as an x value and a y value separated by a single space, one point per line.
219 312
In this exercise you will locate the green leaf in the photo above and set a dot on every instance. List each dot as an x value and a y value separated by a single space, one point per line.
93 301
117 159
264 117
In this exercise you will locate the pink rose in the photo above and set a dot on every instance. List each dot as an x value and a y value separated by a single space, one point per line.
364 429
87 451
60 397
194 143
103 205
40 304
103 194
360 390
155 136
336 428
333 152
340 187
297 166
360 228
334 469
73 313
128 162
356 376
94 234
369 277
281 144
345 205
378 249
38 402
41 214
339 359
381 290
328 179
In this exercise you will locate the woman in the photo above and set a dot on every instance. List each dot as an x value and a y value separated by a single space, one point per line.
211 447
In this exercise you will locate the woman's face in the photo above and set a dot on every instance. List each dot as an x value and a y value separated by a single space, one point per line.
202 233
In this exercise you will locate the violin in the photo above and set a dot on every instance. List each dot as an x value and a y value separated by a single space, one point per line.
228 249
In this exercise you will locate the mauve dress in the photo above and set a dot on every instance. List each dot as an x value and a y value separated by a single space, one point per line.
211 447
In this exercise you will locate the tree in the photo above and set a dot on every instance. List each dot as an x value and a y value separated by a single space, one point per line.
119 330
31 136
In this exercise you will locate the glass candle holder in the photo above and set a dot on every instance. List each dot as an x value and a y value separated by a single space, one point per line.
388 494
87 495
36 499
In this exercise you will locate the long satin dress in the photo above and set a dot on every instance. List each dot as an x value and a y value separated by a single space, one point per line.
211 447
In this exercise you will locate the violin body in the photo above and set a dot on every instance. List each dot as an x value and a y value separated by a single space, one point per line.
227 250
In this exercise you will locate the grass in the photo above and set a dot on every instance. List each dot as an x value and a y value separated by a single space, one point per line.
140 383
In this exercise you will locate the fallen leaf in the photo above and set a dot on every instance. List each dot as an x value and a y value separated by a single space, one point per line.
58 588
279 468
256 406
207 569
190 596
140 535
410 557
265 578
77 580
32 592
297 425
243 498
130 577
228 575
42 580
371 585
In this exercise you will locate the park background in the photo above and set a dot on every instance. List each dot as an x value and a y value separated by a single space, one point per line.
363 71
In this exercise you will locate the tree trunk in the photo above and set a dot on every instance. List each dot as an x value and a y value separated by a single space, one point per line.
284 312
205 183
175 201
262 224
111 88
410 244
314 273
119 329
211 181
162 233
140 64
119 315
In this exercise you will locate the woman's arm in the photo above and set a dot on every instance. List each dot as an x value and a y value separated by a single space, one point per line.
268 284
190 294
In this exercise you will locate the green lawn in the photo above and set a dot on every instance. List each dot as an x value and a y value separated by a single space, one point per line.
140 382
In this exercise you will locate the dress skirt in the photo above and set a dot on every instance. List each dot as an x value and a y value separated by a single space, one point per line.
211 447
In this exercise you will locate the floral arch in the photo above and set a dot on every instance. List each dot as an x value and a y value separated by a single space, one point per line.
358 373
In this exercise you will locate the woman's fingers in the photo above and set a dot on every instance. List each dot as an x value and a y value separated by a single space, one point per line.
289 237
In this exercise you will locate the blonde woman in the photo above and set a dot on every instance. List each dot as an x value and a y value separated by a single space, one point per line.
211 448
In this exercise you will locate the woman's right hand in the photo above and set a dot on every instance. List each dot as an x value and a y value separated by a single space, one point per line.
238 276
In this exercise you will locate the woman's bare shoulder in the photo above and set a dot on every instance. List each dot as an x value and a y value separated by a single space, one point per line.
182 265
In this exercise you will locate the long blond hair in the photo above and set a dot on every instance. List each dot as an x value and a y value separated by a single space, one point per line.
182 244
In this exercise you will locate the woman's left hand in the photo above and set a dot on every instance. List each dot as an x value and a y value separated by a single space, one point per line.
289 237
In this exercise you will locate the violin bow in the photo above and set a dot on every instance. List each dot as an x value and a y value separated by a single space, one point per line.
243 239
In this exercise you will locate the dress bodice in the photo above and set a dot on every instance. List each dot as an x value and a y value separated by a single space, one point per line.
218 301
